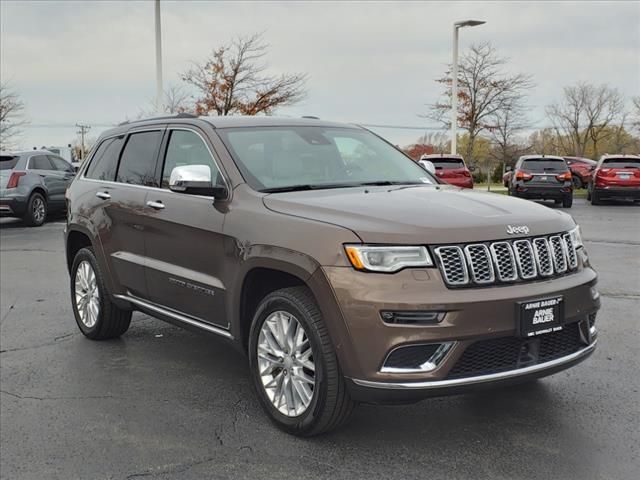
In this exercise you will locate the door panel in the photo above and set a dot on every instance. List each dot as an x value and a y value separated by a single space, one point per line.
122 234
184 241
184 248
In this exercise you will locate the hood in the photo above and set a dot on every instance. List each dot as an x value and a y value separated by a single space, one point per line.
433 214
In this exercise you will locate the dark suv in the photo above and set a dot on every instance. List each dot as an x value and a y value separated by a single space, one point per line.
542 177
342 269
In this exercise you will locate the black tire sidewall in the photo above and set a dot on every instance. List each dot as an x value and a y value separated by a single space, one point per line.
306 420
86 254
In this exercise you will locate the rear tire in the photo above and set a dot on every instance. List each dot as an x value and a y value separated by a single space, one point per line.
96 315
567 201
36 212
278 381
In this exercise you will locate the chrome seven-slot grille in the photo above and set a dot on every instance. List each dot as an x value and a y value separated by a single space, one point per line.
506 261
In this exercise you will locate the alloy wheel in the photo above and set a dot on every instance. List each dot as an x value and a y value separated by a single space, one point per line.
286 365
87 294
38 209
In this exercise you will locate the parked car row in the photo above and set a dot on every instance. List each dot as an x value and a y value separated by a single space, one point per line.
613 176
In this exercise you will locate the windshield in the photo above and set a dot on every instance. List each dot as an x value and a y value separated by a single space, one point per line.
448 163
541 165
7 162
621 163
297 158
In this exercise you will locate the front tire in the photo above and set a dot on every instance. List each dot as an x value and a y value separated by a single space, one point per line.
595 198
36 212
294 366
567 201
96 315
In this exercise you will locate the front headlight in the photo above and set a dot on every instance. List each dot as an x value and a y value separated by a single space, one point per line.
576 237
387 259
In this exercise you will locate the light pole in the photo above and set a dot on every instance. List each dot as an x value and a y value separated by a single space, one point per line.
454 86
159 92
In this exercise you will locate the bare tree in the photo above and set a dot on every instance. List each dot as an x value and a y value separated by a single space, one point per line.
584 116
11 116
484 89
235 80
175 100
635 102
507 124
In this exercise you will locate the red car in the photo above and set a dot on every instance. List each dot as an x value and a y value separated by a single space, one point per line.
581 170
450 169
616 176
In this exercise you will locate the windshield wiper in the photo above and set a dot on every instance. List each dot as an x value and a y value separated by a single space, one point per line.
388 182
324 186
300 188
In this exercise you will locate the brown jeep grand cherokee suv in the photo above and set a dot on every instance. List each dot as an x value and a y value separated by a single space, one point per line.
344 270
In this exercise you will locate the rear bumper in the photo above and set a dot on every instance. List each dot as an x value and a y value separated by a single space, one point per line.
404 392
619 192
12 206
555 192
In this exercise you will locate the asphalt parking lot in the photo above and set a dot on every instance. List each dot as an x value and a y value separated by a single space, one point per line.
165 403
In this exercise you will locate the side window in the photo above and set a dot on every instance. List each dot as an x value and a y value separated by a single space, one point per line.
105 161
60 164
138 161
40 162
187 148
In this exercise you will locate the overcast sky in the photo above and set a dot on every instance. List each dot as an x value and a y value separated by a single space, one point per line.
368 62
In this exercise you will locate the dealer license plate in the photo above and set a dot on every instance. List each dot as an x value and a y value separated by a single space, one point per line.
537 317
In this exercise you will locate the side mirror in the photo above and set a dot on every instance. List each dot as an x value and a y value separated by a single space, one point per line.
428 166
471 168
195 180
508 168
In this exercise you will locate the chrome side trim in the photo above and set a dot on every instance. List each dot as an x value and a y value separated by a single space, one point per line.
456 382
176 316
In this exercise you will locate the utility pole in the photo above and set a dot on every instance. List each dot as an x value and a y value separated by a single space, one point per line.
82 132
159 91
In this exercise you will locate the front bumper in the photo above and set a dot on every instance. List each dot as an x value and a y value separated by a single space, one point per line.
471 315
402 392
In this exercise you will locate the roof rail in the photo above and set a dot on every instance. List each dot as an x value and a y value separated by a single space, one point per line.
313 117
164 117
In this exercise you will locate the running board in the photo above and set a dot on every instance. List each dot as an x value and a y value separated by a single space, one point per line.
176 316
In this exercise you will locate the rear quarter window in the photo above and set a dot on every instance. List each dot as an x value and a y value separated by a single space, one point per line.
8 162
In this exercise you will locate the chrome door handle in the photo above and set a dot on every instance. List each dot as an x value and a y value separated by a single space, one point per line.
156 205
103 195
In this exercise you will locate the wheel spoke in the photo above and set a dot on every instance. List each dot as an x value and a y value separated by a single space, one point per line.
305 378
302 390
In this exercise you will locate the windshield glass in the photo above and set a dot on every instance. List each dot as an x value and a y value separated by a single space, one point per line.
290 158
541 165
447 163
7 162
621 163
